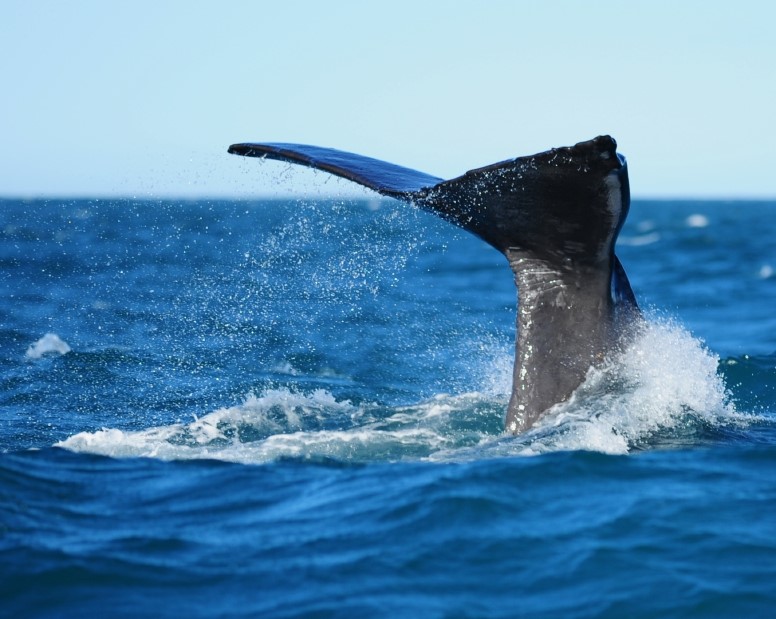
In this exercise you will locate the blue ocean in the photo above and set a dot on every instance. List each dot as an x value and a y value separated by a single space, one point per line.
295 408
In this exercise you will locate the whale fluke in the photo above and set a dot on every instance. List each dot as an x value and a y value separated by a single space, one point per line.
555 216
386 178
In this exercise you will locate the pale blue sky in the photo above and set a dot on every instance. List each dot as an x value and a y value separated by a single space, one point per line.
143 97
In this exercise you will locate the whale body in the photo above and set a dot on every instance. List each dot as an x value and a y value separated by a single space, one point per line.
555 216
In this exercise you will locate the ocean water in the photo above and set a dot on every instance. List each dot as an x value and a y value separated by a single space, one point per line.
295 409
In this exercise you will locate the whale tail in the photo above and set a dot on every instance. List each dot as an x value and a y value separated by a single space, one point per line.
565 203
555 216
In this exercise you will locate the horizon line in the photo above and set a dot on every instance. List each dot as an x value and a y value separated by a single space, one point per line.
293 196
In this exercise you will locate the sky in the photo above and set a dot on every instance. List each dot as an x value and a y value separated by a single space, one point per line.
143 97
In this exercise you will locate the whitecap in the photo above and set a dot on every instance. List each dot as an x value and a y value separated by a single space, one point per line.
697 220
640 240
49 344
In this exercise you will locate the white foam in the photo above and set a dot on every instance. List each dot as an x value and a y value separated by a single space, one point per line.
219 434
697 220
284 423
640 240
49 344
664 380
663 383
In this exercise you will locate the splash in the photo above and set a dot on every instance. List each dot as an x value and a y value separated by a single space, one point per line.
283 423
662 391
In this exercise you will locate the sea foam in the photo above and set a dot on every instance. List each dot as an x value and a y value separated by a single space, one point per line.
49 344
662 390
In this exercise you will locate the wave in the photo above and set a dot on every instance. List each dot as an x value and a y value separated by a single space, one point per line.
49 344
663 391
